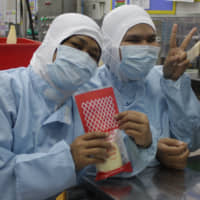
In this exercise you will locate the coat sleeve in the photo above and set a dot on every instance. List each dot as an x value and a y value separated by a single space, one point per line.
184 110
35 175
42 175
30 176
140 157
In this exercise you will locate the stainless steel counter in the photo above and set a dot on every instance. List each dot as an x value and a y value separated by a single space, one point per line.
152 184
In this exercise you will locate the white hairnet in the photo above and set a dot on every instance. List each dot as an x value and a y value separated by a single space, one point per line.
115 25
63 27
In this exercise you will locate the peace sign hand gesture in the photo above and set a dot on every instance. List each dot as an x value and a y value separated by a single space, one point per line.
176 62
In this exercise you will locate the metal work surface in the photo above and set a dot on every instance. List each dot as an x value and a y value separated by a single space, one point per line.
153 184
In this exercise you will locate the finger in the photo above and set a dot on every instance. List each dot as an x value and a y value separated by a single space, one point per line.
171 150
91 136
185 155
172 60
135 117
171 142
184 64
93 161
180 69
120 115
102 143
132 133
180 159
137 137
130 125
188 38
182 55
101 153
173 36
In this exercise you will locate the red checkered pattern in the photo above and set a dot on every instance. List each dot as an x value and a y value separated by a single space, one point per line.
97 109
99 114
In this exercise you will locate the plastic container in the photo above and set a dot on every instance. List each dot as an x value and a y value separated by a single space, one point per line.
17 55
12 36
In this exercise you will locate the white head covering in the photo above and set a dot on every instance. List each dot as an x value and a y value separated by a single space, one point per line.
115 25
63 27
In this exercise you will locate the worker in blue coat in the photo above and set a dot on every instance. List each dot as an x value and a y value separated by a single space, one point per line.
159 113
40 155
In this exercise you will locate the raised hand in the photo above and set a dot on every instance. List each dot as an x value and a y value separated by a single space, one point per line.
136 125
176 62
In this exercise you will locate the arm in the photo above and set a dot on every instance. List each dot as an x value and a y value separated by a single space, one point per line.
33 175
41 175
26 173
183 106
141 157
140 139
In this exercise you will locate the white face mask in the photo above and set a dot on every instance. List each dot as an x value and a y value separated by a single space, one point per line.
71 69
137 61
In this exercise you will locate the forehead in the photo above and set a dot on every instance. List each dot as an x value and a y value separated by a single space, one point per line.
140 29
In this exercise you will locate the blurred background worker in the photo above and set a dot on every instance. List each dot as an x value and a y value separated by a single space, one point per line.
156 103
38 156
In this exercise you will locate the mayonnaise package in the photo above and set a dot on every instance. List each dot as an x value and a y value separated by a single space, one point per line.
97 109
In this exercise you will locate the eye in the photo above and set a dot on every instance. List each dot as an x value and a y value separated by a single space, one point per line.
133 39
151 39
76 45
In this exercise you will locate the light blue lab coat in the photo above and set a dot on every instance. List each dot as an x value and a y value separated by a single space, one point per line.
172 109
35 138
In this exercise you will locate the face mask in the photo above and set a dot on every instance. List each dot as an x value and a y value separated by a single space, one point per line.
137 60
71 69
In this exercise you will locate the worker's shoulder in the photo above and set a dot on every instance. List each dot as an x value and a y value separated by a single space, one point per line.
13 78
13 72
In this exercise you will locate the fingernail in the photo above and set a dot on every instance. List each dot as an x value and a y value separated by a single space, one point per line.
180 143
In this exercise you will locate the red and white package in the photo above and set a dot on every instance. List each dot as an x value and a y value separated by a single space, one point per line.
97 109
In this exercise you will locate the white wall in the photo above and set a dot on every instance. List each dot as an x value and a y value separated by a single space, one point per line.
187 8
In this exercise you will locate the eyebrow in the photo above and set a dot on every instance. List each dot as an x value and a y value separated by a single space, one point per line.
138 36
83 42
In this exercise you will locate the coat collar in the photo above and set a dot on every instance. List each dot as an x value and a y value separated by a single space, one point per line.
62 115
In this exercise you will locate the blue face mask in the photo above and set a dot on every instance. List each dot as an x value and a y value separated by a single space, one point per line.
137 60
71 69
